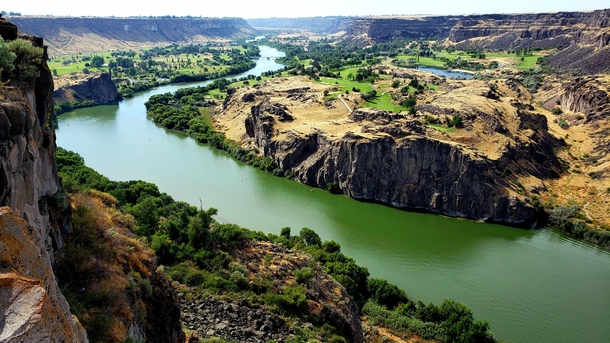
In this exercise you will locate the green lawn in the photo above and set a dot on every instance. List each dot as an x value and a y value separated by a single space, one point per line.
442 128
384 102
347 84
528 62
56 63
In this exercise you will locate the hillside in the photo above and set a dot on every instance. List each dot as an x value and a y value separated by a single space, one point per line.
70 35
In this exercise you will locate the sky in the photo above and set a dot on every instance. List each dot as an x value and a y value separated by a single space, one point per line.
282 8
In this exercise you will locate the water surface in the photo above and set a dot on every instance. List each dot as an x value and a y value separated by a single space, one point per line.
532 286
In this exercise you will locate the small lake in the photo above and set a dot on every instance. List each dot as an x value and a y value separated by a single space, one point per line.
531 285
450 74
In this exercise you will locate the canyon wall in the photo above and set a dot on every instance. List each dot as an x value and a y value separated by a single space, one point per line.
66 35
314 24
378 30
36 224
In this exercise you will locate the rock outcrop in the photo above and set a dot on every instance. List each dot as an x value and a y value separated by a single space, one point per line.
238 322
76 34
32 309
397 160
97 87
586 95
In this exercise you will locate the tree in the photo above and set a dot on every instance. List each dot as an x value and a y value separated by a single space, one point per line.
97 62
310 236
385 293
285 232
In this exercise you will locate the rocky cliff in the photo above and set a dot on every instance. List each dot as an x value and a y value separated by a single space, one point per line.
66 35
36 229
97 87
32 309
484 171
34 224
540 30
377 30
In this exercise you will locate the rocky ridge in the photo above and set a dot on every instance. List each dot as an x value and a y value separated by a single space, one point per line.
477 172
367 31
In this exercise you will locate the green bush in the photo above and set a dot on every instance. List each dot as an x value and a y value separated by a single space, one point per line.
7 58
303 275
27 61
385 293
292 301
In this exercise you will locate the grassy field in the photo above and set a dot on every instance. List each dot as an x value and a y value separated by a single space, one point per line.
347 84
384 102
198 63
56 63
442 128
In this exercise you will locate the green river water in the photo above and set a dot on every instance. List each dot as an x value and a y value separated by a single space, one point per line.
531 285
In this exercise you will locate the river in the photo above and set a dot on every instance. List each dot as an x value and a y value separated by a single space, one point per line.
531 285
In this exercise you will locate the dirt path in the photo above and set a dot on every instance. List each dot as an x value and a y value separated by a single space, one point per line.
345 103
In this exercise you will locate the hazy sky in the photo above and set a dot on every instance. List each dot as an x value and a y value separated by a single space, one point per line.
283 8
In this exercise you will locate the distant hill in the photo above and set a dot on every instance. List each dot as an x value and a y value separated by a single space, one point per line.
314 24
66 35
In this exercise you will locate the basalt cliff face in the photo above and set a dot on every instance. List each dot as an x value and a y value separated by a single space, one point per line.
540 30
97 87
483 171
377 30
35 221
66 35
36 226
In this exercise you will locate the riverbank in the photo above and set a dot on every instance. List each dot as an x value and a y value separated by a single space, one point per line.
497 270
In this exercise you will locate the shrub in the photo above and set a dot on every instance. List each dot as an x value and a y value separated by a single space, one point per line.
385 293
292 301
7 58
28 60
431 120
560 215
303 275
557 110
